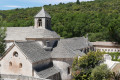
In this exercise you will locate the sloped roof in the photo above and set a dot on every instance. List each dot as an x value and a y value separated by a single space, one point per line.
21 33
76 43
48 72
42 33
17 33
69 48
43 13
66 48
33 50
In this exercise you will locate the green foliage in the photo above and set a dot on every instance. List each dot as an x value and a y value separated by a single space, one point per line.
90 60
99 18
2 41
101 73
83 66
97 36
75 64
114 31
2 37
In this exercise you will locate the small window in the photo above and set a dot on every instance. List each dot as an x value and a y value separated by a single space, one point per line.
20 65
81 50
47 23
10 63
40 22
15 54
68 70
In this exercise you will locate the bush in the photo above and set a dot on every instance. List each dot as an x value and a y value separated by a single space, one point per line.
101 72
83 66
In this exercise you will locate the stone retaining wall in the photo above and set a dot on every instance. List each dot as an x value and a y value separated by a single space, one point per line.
20 77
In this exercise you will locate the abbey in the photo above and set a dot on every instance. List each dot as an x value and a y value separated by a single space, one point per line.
38 51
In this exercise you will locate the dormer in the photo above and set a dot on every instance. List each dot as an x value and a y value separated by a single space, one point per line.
42 20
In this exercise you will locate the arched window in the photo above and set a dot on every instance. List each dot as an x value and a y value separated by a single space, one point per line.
40 22
20 65
10 63
15 54
105 49
111 49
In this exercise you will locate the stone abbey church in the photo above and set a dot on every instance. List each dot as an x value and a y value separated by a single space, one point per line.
39 52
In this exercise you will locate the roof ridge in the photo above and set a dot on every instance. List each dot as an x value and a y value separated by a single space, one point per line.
23 41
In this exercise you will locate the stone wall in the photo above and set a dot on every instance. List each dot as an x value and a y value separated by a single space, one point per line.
63 65
55 77
10 64
20 77
43 23
67 60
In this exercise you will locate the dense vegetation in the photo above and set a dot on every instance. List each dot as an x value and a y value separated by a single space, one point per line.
2 37
82 67
99 18
101 72
91 67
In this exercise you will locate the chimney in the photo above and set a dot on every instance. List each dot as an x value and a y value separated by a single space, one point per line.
47 47
47 44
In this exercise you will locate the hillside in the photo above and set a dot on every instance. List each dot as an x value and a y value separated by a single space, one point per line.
100 19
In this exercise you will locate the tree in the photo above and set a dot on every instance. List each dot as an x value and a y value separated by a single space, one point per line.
101 72
77 2
83 66
2 39
114 34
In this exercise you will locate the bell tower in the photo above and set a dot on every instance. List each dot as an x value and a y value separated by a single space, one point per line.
42 20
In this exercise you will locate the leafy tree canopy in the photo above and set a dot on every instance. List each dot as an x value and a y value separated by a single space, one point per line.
2 37
83 66
101 73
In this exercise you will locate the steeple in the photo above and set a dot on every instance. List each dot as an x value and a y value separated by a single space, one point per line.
43 13
42 20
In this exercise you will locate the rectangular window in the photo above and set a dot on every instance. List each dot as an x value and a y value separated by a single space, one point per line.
68 70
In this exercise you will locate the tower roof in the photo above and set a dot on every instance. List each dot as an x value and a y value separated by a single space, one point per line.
43 13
